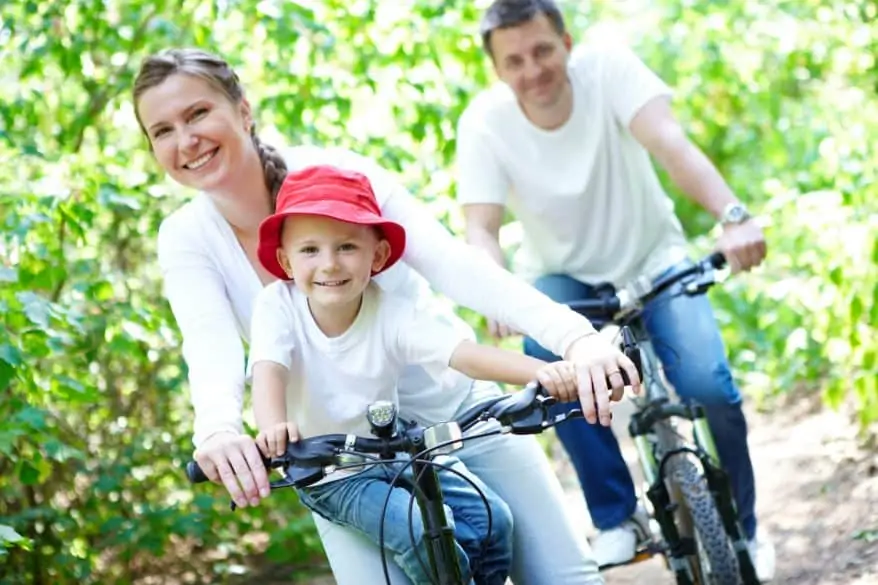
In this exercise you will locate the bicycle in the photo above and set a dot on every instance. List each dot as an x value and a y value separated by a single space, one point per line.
689 492
310 460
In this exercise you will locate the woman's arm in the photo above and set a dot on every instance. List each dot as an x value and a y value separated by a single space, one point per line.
469 277
212 346
214 354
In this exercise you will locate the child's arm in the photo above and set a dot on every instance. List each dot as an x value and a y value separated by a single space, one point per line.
270 408
482 362
272 343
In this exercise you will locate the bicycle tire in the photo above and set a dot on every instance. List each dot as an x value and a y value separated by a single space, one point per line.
685 477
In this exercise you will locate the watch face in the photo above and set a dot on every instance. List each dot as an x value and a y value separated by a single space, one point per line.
736 214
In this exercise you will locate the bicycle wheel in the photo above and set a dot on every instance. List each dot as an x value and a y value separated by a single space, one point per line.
716 562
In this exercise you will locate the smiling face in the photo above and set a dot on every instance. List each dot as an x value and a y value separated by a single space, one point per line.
331 261
199 136
531 58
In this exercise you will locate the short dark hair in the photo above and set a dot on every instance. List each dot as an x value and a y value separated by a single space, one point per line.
510 13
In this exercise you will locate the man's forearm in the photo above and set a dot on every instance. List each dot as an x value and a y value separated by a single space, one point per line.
698 178
483 240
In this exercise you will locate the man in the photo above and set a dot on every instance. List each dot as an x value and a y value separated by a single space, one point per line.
564 140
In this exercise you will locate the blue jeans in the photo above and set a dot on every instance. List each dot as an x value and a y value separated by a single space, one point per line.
687 340
357 502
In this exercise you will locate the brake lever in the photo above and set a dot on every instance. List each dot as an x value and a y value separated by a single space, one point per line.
295 476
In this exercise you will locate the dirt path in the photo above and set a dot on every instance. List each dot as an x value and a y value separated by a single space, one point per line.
817 494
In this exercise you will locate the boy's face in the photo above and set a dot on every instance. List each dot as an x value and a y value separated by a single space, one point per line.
330 261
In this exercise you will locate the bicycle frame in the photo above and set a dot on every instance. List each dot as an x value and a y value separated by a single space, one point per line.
655 407
441 546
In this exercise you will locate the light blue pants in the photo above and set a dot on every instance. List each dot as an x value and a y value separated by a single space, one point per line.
358 501
548 545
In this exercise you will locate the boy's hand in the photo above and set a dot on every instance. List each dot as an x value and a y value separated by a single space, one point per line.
273 441
559 380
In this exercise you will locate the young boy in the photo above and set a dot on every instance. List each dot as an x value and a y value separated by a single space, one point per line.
326 342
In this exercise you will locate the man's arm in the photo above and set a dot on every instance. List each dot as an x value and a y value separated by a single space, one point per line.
483 221
656 128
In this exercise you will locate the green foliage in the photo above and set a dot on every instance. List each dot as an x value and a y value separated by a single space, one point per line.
96 417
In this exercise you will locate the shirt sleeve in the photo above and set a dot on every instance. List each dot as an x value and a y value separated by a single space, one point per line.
426 341
465 273
628 83
272 336
480 177
212 346
469 277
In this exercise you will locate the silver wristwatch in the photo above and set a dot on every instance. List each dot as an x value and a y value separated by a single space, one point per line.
734 214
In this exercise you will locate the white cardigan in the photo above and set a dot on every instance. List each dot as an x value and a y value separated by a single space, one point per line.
211 287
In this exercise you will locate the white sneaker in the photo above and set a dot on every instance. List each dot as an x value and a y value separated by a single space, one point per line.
618 545
762 553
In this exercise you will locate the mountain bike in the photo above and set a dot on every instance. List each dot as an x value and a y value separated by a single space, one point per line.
689 492
307 461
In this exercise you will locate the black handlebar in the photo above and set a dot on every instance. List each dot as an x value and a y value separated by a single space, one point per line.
523 412
608 304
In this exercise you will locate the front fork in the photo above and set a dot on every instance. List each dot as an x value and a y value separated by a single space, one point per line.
717 481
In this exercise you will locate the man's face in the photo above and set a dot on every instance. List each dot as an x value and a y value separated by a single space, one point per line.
531 58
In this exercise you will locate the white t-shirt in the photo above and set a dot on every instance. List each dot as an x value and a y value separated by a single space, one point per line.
586 194
211 287
332 380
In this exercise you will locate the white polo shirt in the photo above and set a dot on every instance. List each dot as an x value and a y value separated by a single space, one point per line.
586 194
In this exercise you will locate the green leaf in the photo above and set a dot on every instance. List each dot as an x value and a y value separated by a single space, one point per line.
28 474
36 308
10 354
60 452
8 274
7 372
9 535
33 417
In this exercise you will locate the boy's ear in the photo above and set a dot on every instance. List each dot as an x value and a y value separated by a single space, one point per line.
382 253
284 262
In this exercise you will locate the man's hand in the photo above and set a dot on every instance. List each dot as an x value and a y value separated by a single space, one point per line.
597 361
273 440
743 245
559 380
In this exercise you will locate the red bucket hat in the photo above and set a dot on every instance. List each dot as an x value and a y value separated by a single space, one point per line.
331 192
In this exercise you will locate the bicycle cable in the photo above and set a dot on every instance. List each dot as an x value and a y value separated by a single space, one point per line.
417 456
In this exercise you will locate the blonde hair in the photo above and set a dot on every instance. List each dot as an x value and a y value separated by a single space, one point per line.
155 69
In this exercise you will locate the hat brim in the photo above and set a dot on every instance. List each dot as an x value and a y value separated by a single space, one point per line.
270 231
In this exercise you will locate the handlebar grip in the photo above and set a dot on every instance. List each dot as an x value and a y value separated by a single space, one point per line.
717 260
195 474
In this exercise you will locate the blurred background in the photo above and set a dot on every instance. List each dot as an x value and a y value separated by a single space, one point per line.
95 422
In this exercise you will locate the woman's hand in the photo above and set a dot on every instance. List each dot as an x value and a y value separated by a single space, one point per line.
273 440
598 361
234 461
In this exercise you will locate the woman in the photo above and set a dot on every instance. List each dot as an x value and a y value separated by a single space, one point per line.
192 108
